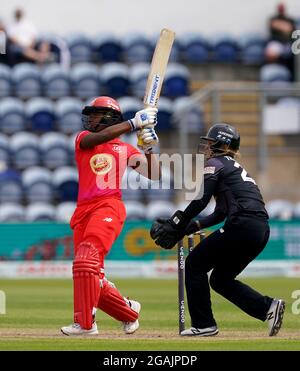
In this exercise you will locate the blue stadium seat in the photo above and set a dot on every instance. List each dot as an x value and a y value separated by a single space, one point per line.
195 48
55 81
115 79
37 183
137 47
11 189
64 211
80 47
296 211
40 212
273 73
24 147
252 48
68 113
176 83
54 149
162 190
12 115
26 79
129 106
5 156
107 48
280 209
85 80
188 113
11 212
40 113
138 75
65 180
130 192
225 49
5 81
165 111
160 209
135 210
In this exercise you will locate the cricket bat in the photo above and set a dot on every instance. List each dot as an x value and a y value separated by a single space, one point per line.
158 68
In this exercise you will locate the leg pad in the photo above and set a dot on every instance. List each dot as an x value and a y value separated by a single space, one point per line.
113 303
86 270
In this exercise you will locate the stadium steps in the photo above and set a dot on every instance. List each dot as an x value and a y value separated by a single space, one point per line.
242 111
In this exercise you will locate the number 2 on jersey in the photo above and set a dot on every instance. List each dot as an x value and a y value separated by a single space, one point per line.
244 174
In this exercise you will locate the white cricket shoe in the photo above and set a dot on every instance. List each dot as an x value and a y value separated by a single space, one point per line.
75 329
193 331
275 316
131 327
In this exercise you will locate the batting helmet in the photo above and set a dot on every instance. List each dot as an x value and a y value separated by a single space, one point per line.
109 113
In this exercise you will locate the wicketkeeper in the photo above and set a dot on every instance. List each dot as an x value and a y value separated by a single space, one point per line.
100 214
228 250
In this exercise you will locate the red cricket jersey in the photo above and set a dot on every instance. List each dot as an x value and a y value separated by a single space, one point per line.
101 168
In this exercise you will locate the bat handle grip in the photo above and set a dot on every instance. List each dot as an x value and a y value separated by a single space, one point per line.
140 141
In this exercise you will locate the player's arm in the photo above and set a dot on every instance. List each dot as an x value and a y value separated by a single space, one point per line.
172 230
142 118
111 132
216 217
147 163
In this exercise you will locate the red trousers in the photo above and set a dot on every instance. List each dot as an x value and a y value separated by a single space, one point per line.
100 220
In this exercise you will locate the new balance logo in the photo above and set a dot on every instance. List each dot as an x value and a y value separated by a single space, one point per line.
107 220
270 316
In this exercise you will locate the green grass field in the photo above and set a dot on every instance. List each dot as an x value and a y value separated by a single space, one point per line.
37 309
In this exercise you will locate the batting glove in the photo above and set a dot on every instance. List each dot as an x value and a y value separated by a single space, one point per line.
147 116
148 138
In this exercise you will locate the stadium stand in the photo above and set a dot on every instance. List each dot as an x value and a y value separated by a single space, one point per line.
40 114
55 81
40 212
107 48
25 150
85 80
27 80
115 79
37 184
12 115
40 109
54 150
11 212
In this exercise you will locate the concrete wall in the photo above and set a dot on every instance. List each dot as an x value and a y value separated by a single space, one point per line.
119 16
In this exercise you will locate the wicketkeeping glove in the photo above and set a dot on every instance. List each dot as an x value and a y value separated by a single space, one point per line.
167 234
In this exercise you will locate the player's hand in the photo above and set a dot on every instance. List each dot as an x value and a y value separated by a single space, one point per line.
148 138
167 234
156 228
145 117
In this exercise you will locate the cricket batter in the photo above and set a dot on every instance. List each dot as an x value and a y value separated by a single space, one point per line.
229 249
102 159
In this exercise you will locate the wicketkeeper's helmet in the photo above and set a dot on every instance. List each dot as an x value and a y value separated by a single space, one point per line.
218 135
